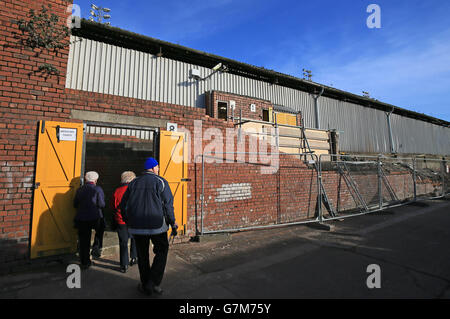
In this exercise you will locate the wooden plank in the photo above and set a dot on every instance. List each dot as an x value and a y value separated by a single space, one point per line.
323 145
290 131
290 150
317 135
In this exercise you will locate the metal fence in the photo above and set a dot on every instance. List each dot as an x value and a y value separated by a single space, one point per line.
238 192
356 185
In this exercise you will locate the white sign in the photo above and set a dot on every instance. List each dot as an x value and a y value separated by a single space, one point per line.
172 127
67 134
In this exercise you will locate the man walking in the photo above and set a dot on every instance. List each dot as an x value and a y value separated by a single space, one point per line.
147 209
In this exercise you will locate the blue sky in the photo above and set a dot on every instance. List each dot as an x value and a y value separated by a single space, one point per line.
406 62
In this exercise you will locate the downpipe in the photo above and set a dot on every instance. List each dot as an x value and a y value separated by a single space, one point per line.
316 107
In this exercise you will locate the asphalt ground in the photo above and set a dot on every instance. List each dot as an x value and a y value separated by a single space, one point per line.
409 245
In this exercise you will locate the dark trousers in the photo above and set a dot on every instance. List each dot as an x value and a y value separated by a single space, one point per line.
98 238
84 237
84 240
124 235
152 275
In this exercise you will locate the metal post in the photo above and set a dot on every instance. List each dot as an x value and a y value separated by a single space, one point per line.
443 177
276 131
319 191
414 179
380 195
240 125
202 196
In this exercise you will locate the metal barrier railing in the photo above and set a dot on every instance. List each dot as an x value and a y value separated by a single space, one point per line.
256 201
372 183
299 191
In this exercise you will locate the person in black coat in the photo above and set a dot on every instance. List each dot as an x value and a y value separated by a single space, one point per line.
147 209
89 201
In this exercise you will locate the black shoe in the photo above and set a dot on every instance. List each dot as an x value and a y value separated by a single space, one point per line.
132 261
157 290
96 253
123 269
144 290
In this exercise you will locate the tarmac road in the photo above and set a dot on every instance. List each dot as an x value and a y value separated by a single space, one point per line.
409 244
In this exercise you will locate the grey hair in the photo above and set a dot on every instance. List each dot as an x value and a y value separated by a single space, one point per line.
91 176
127 177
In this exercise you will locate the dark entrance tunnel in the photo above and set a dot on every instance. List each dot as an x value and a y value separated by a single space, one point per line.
109 156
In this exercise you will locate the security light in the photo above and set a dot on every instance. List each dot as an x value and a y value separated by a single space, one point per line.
106 9
93 6
217 67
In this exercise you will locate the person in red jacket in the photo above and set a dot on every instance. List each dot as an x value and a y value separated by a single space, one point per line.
122 229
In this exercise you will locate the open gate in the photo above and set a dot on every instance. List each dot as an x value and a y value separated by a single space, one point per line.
58 169
173 156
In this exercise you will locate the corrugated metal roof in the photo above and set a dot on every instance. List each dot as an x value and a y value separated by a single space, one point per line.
130 40
285 109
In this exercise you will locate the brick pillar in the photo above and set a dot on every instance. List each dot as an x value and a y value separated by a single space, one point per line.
26 96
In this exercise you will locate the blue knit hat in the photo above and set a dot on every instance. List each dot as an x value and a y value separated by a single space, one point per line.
150 163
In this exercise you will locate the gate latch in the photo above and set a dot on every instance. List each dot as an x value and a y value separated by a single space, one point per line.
36 185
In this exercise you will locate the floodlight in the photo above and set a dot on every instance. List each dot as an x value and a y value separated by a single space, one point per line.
217 67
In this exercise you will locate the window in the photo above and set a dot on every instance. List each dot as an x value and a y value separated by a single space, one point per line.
222 110
265 115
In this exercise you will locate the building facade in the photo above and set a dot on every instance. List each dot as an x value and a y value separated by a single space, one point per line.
103 102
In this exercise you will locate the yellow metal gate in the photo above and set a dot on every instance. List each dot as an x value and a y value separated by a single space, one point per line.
58 169
173 155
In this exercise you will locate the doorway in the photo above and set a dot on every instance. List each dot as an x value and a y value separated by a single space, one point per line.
111 149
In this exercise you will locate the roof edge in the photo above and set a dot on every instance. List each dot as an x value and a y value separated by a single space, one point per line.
127 39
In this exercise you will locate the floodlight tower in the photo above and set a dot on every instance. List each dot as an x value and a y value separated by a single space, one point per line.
99 13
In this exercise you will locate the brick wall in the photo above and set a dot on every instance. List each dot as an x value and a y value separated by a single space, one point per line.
241 194
242 103
25 97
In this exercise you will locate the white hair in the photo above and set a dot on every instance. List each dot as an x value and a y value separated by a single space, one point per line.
91 176
127 177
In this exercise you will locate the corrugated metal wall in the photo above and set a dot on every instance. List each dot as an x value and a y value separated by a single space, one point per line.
103 68
414 136
361 129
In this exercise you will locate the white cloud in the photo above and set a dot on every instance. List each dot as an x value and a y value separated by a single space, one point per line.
415 74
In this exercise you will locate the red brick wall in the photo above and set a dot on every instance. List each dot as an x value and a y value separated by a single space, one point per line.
242 103
25 97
